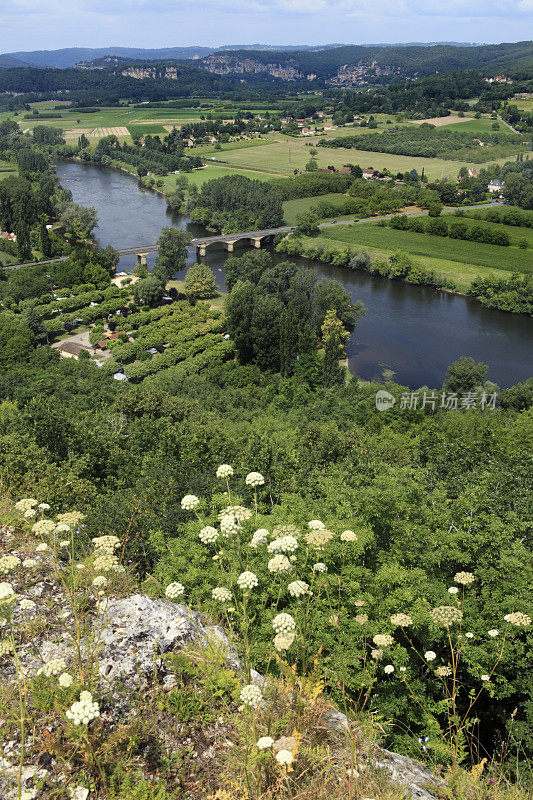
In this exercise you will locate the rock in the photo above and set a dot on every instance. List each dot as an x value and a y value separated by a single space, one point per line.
137 629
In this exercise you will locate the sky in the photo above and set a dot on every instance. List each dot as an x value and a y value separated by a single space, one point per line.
51 24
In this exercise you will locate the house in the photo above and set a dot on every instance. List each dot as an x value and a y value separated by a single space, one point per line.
346 170
330 128
368 174
328 171
70 349
119 376
473 173
306 132
495 186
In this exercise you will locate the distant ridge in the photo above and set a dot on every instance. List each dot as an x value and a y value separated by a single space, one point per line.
69 56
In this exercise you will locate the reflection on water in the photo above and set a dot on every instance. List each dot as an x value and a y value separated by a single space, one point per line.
410 332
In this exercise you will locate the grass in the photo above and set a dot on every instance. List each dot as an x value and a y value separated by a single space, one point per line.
461 274
483 125
525 105
508 259
200 176
143 130
7 169
290 153
291 208
514 232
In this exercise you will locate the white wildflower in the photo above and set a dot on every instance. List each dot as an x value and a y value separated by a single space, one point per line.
388 670
485 678
221 594
453 590
26 503
519 619
41 547
254 479
264 742
493 632
208 535
284 757
174 590
383 640
5 647
282 641
285 544
251 695
8 564
319 567
298 588
53 667
229 526
469 635
443 672
30 513
64 543
65 680
429 655
7 594
99 581
283 623
464 578
44 527
62 527
259 538
316 525
247 581
401 620
29 563
27 605
189 502
348 536
84 710
44 507
224 471
279 564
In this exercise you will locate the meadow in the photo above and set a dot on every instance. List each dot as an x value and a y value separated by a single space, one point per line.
472 254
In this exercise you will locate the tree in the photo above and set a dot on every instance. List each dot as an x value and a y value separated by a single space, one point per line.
312 165
265 330
332 295
44 237
78 221
464 375
334 337
148 292
239 310
307 223
16 340
356 171
200 282
172 253
142 171
434 208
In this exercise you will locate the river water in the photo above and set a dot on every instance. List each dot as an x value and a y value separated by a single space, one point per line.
410 333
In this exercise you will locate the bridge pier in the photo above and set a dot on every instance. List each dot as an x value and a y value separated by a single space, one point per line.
256 241
201 250
141 260
229 246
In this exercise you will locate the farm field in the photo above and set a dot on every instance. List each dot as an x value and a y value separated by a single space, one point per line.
461 274
525 105
514 232
200 176
294 154
472 125
291 208
477 254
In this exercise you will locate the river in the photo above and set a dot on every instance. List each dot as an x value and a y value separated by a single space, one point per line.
410 333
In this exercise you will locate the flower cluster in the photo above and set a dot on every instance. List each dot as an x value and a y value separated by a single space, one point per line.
224 471
348 536
401 620
446 615
229 526
383 640
298 588
5 647
279 564
174 590
254 479
316 525
53 667
71 518
240 513
100 581
388 670
429 655
25 504
464 578
44 527
318 538
84 710
519 619
361 618
443 672
251 695
376 654
283 623
27 605
285 544
284 757
65 680
259 538
247 581
208 535
282 641
7 595
320 567
189 502
8 563
264 742
29 563
221 594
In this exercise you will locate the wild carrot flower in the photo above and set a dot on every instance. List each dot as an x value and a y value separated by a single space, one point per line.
240 513
443 672
285 544
99 581
264 742
8 563
5 647
519 619
446 615
228 526
84 710
376 654
493 632
469 635
224 471
43 507
388 670
401 620
27 605
284 757
251 695
221 594
174 590
26 503
320 567
53 667
282 641
316 525
71 518
7 594
189 502
298 588
429 655
260 537
29 563
485 678
65 680
361 619
44 527
41 547
383 640
30 513
64 543
247 581
279 564
283 623
208 535
254 479
464 578
453 590
348 536
318 539
62 527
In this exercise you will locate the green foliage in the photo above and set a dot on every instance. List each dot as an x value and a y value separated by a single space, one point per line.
172 252
200 282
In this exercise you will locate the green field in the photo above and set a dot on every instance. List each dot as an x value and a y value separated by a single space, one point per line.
294 154
525 105
483 125
291 208
477 254
200 176
514 232
143 130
